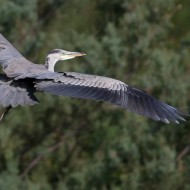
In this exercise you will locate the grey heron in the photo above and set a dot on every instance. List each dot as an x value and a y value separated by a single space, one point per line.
21 79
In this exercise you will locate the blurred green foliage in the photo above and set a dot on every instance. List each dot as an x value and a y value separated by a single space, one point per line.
70 144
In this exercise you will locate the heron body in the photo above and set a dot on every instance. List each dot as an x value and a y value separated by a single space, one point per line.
22 79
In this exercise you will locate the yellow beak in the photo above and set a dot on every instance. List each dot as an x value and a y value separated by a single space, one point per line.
76 54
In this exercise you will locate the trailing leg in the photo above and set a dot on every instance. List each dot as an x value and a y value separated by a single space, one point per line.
5 112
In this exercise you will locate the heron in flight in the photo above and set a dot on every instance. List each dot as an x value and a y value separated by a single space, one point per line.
22 79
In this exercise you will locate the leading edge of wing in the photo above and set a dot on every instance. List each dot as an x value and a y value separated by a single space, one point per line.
112 91
7 52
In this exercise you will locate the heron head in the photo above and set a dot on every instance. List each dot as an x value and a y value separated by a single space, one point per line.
60 55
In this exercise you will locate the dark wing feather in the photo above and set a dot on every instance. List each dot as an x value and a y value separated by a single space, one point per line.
110 90
15 93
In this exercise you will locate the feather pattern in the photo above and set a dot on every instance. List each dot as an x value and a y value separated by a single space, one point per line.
112 91
15 93
17 87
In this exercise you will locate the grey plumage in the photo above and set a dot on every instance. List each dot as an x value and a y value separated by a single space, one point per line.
23 79
16 92
112 91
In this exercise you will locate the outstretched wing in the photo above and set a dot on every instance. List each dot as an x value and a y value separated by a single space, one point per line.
110 90
14 93
14 64
8 53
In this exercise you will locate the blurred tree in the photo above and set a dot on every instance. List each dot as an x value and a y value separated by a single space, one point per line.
70 144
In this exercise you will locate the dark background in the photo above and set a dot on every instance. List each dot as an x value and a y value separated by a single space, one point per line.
70 144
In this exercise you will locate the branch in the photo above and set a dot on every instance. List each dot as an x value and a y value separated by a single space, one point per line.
38 158
52 149
185 151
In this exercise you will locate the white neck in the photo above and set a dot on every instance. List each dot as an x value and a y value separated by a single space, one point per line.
52 59
50 64
51 67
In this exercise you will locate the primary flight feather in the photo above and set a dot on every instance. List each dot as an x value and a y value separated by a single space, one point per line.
22 78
